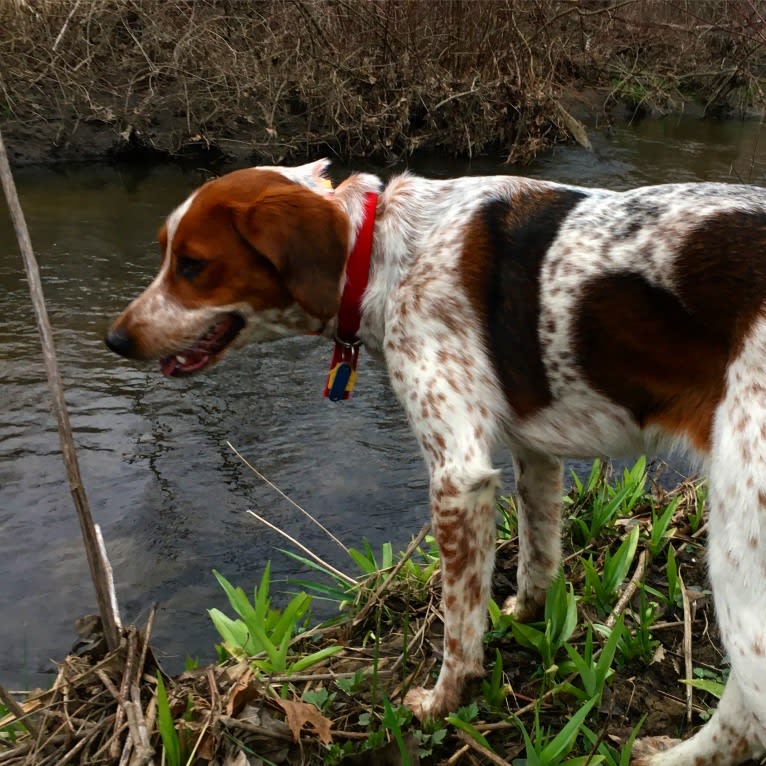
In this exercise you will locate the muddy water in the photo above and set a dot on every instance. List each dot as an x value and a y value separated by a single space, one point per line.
170 495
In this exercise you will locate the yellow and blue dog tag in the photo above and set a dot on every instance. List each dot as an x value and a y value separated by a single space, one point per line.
342 374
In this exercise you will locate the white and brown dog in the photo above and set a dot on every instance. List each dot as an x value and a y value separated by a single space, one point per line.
558 320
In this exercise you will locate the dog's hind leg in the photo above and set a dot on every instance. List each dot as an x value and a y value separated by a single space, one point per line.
737 564
538 490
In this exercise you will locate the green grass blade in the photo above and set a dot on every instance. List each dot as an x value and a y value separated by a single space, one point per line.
170 740
616 567
312 659
561 744
237 597
391 722
470 730
365 565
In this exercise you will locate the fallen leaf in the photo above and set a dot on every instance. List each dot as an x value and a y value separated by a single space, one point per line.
243 691
300 713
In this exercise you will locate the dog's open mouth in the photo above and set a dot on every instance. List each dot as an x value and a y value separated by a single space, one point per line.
202 351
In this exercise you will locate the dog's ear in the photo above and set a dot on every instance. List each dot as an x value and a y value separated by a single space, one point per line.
305 237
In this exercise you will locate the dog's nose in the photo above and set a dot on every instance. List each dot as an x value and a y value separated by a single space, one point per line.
120 342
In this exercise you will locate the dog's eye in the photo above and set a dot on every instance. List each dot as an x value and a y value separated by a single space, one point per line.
189 268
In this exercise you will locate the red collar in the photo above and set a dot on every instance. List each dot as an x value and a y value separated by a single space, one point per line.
342 374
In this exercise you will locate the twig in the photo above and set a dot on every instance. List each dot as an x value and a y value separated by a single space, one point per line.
264 731
109 576
289 499
468 92
143 748
340 575
64 26
110 687
457 755
147 636
203 731
127 674
18 711
480 749
687 647
627 594
98 568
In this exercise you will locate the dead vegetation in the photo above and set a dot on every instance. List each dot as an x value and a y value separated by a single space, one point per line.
285 79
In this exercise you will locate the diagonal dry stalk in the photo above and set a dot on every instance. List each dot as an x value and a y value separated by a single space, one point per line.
100 569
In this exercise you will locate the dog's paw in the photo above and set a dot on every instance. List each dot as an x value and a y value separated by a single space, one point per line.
524 610
421 702
427 703
647 750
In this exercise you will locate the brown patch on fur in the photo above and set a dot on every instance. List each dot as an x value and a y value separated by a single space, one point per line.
638 345
664 356
266 240
503 250
301 234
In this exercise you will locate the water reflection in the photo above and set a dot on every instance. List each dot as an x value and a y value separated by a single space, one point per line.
169 494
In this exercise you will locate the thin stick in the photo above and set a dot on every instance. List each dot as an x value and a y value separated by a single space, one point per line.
98 570
109 576
458 754
340 575
480 749
147 636
289 499
143 750
629 590
18 711
64 26
687 647
127 678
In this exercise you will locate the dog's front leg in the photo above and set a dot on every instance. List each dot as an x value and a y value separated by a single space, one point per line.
463 516
449 397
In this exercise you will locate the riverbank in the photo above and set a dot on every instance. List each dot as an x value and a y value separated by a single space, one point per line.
220 80
607 664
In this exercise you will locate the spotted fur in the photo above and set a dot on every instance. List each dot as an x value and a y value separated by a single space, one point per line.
556 320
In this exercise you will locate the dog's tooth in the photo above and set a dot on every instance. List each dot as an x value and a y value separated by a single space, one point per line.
180 359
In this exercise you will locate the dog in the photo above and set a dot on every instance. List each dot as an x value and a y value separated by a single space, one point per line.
557 320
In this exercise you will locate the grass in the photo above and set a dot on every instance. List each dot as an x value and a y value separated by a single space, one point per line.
571 689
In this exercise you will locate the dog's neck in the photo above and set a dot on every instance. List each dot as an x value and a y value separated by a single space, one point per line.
392 245
352 196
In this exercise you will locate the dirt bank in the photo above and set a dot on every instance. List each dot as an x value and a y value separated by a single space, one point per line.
287 79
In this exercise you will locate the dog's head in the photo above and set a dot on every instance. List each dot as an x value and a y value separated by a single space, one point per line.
254 255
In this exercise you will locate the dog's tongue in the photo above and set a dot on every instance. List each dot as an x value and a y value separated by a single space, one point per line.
183 364
197 356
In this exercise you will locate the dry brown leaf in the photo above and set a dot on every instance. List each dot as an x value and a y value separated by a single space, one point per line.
299 713
242 692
